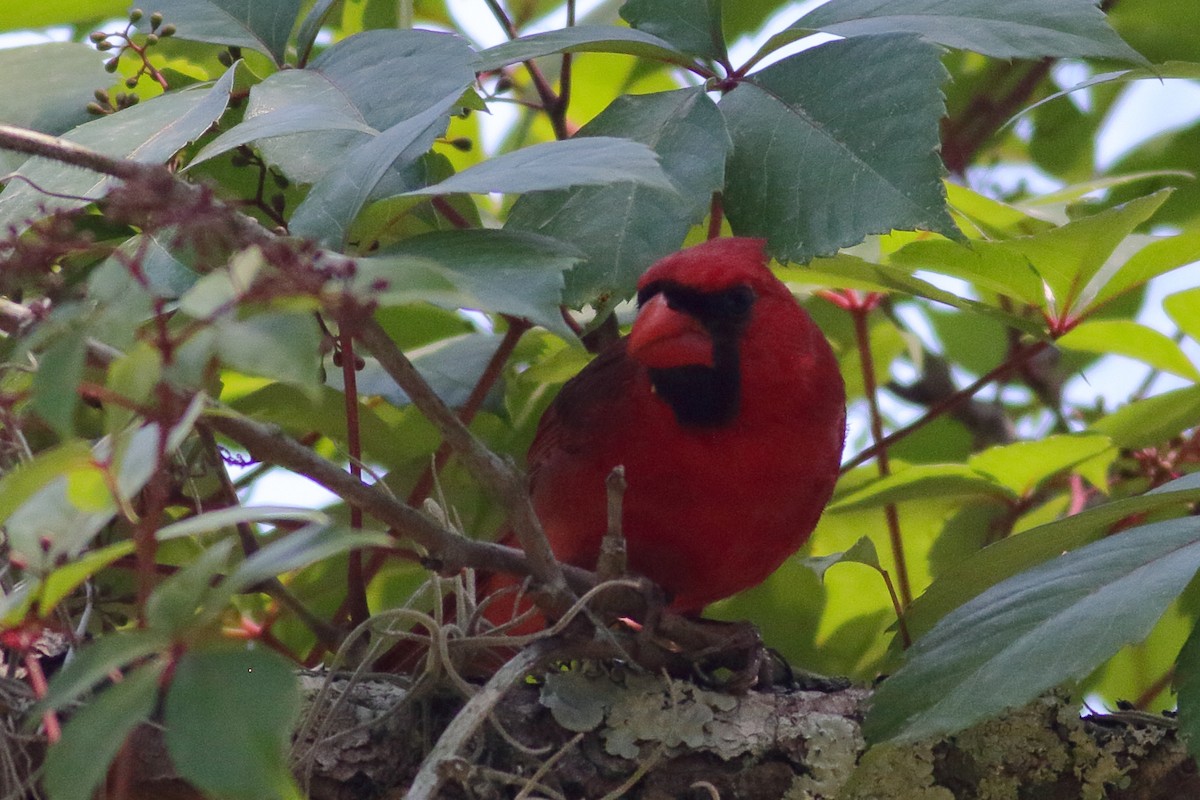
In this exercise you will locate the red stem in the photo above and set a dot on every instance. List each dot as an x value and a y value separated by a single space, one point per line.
356 585
716 216
862 333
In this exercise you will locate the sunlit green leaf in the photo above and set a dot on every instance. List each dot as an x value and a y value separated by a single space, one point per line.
1021 466
920 481
1151 420
67 578
1128 338
861 552
1184 310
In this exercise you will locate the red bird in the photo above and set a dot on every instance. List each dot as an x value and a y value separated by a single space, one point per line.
727 410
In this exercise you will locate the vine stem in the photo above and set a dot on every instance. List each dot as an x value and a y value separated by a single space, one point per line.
860 312
356 584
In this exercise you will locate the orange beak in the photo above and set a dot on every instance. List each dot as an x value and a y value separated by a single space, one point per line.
663 337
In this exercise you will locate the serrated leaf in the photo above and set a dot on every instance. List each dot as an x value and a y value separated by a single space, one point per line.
1132 339
1021 466
861 552
149 132
229 717
1053 623
623 228
694 26
835 143
262 25
76 765
581 39
1013 29
594 161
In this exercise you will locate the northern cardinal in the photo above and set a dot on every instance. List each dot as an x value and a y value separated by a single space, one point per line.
727 410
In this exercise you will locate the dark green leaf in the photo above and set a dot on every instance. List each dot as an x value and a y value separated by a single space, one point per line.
581 39
56 99
509 272
278 345
77 764
836 143
262 25
298 549
335 200
1007 557
1012 29
1053 623
97 661
311 26
694 26
379 78
70 576
56 383
1187 687
149 132
623 228
176 601
229 717
282 122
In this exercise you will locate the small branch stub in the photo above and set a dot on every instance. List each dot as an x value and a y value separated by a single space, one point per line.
612 561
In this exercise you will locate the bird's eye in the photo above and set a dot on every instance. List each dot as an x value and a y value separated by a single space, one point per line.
735 302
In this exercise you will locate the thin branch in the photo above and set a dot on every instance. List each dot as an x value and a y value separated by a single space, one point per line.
497 475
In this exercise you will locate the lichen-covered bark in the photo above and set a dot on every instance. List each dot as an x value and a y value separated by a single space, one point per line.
590 733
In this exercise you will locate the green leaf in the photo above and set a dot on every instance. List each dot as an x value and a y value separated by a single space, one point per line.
97 661
56 383
218 291
335 200
623 228
149 132
76 765
176 601
836 143
281 122
19 485
581 39
229 717
505 271
451 366
22 16
1152 420
1184 310
262 25
211 521
1157 258
918 482
1134 340
60 98
379 78
1187 686
594 161
1009 556
1021 466
298 549
282 346
67 578
1053 623
1013 29
694 26
861 552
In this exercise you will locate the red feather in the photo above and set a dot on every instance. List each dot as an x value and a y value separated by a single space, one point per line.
711 509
